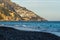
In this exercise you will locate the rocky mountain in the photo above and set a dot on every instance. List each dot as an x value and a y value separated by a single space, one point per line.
10 11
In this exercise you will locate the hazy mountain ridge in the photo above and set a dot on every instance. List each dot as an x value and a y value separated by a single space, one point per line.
16 12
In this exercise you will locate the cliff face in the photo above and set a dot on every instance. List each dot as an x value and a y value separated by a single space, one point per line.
10 11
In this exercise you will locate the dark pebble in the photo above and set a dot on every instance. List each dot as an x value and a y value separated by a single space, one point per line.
7 33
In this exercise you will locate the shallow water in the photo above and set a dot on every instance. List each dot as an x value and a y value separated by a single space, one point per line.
49 26
53 26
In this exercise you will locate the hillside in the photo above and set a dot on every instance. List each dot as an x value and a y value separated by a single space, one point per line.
10 11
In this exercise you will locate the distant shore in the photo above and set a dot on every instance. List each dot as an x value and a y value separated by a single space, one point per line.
23 20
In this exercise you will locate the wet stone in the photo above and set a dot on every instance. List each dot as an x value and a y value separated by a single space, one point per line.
7 33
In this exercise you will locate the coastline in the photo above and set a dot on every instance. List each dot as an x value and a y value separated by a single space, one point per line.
15 34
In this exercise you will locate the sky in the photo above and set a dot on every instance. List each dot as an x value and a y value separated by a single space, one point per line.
48 9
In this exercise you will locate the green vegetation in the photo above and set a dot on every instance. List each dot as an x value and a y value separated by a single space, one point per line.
4 11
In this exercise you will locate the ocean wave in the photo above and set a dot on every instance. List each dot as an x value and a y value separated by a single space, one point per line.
31 28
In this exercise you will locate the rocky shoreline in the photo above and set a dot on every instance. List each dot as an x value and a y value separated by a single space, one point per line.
8 33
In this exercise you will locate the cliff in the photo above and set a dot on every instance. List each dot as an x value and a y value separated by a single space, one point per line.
10 11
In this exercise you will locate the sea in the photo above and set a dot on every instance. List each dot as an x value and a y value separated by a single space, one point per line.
46 26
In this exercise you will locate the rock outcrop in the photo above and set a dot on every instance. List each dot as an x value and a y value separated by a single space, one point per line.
10 11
